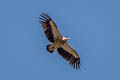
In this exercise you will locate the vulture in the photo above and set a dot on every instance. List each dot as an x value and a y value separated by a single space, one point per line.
58 41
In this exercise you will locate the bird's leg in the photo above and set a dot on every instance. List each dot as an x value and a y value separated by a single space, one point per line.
51 47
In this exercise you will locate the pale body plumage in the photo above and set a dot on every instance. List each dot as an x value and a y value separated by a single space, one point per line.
58 42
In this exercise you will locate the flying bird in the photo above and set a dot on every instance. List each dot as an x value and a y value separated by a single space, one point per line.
58 41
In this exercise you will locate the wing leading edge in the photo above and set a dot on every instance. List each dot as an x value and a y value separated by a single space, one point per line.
70 55
49 27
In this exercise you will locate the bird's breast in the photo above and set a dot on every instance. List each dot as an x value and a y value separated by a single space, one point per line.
58 44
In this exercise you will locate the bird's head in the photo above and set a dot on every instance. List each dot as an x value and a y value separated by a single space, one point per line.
65 39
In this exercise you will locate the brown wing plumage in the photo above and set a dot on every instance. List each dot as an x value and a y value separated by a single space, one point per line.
45 20
53 34
49 27
70 55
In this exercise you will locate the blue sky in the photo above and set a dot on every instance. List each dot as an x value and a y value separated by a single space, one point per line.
93 27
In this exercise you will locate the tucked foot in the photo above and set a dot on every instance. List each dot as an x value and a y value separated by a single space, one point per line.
51 51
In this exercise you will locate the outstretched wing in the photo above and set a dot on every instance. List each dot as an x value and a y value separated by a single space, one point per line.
70 55
49 28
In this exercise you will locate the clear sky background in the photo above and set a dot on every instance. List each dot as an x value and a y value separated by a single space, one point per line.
93 27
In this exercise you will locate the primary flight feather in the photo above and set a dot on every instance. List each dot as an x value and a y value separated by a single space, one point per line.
58 41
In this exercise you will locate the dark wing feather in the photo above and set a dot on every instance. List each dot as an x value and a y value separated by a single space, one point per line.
74 61
49 27
44 20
